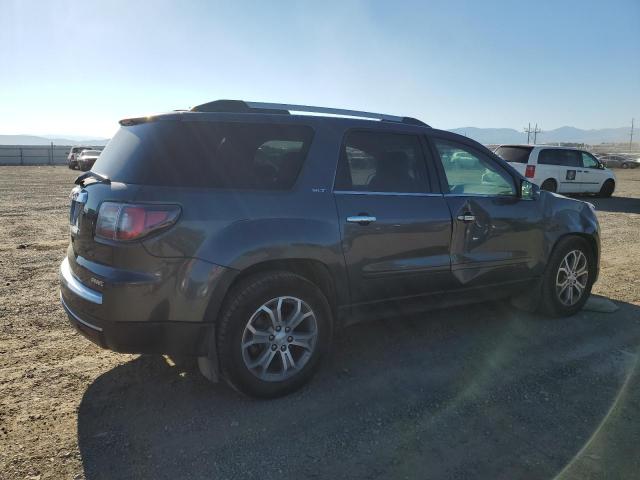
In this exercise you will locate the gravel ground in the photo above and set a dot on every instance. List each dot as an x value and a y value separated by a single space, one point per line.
475 392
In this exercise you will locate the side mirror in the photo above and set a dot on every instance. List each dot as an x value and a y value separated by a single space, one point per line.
528 190
601 166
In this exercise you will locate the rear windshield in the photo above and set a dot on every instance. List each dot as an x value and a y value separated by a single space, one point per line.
207 154
514 154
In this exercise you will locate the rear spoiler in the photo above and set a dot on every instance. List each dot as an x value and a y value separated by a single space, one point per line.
96 176
127 122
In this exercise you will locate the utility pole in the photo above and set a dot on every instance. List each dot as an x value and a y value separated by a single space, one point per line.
528 132
631 136
536 131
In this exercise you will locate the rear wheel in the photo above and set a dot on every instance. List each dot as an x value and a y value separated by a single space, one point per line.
274 329
568 278
607 188
549 185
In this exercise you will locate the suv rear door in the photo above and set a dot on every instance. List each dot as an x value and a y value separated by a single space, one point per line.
497 236
395 229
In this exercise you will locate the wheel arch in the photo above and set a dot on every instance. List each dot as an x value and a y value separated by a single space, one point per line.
313 270
609 179
550 179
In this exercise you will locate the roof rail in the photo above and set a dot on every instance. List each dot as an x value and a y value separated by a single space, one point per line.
240 106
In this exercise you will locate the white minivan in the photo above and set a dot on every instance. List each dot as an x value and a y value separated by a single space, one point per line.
560 169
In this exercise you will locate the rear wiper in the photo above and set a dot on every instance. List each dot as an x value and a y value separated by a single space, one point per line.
97 176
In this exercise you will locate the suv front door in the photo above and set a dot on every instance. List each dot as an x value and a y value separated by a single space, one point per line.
591 174
395 230
497 236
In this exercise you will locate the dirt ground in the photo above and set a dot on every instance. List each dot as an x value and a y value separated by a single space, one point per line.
475 392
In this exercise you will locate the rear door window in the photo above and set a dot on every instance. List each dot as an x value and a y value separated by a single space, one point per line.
207 154
561 157
514 154
381 162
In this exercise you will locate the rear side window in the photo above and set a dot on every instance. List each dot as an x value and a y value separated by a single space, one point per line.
381 162
565 158
207 154
514 154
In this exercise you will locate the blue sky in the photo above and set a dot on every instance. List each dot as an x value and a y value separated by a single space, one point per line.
76 67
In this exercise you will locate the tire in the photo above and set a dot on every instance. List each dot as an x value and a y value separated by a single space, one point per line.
625 165
554 301
549 185
247 305
607 188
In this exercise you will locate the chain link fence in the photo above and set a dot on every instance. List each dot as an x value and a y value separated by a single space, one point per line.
35 154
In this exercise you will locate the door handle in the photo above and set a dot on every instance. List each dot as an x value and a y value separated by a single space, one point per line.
361 219
467 217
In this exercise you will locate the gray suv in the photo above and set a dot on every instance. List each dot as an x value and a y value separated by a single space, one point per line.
245 235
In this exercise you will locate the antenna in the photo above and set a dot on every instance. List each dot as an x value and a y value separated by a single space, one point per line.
631 136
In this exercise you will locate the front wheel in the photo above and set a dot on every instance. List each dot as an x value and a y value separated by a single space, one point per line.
625 165
607 188
274 329
568 278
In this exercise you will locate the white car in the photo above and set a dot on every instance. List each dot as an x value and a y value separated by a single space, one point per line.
560 169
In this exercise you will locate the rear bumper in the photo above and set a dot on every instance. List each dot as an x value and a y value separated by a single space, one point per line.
179 338
125 318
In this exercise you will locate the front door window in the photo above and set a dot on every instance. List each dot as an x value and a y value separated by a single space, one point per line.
471 172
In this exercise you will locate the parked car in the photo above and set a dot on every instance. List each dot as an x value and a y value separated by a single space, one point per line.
247 236
560 169
620 161
87 158
72 158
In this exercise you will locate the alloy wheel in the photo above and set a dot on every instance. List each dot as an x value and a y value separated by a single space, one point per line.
279 338
572 278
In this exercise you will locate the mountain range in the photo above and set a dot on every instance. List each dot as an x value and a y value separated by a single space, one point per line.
562 134
482 135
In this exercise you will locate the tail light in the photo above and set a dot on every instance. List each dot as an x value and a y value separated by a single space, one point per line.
530 171
125 221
